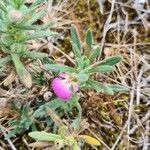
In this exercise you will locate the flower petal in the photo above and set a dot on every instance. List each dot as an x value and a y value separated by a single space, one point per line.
61 88
75 87
63 75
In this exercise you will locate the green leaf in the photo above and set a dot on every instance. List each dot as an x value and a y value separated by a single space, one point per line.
18 3
79 63
18 64
3 25
75 146
22 122
77 120
13 132
76 50
3 61
18 48
95 52
59 68
89 42
94 85
22 26
117 88
82 63
2 7
75 40
24 75
86 61
49 24
40 34
6 40
99 87
28 14
100 69
82 77
107 89
36 3
36 16
111 60
53 104
44 136
89 39
35 55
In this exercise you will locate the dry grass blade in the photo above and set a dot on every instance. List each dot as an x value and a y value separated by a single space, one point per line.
10 78
58 12
55 117
8 140
101 141
27 79
107 25
40 144
82 126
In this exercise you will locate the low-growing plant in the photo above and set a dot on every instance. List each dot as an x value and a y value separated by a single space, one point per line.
69 81
17 27
66 136
80 75
23 122
62 109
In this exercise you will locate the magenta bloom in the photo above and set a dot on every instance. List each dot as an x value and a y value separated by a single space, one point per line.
64 86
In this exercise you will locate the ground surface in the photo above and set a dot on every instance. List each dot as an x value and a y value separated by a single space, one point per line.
120 121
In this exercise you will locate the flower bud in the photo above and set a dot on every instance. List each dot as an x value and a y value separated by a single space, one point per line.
15 15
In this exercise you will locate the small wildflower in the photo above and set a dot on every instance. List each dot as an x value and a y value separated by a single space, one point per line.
64 85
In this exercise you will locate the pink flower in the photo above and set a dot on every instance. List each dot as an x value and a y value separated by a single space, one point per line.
64 85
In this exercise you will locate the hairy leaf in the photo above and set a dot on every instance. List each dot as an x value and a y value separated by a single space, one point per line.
22 72
89 42
59 68
18 64
82 77
54 104
75 40
99 87
2 7
95 52
36 16
40 34
101 69
76 50
49 24
5 60
44 136
117 88
89 38
95 85
35 55
111 60
77 120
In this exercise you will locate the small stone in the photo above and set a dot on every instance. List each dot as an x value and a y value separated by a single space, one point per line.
108 51
3 102
47 95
